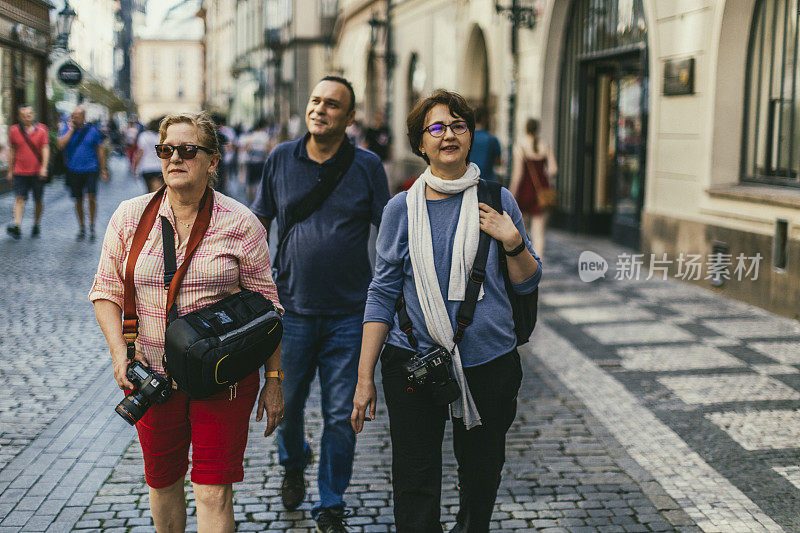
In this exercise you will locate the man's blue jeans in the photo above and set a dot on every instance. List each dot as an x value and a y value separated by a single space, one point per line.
330 344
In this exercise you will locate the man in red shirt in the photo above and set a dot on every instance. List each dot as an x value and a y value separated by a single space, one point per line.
29 153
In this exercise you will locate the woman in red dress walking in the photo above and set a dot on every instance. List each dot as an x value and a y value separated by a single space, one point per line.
534 166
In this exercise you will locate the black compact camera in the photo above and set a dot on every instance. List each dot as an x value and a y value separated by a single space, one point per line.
149 388
432 370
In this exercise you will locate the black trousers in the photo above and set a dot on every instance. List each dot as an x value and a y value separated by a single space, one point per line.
417 430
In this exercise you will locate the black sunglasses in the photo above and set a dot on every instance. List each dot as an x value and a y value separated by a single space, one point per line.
459 127
186 151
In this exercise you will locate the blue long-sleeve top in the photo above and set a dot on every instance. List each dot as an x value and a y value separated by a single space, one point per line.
491 333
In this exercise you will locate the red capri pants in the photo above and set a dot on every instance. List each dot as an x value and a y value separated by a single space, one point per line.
215 426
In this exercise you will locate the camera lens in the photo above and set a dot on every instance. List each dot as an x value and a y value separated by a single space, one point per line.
133 407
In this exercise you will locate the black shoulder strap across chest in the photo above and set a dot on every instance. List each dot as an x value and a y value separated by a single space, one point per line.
313 200
466 311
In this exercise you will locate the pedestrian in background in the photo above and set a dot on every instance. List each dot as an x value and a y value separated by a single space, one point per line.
145 161
231 254
85 159
256 149
486 152
29 155
378 138
132 131
228 149
323 272
427 242
534 167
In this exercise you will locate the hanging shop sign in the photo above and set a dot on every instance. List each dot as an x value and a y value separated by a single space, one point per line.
70 74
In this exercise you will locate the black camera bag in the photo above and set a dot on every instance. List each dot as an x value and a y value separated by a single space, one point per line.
216 346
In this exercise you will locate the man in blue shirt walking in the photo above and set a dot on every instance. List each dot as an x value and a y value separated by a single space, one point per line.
486 152
323 272
85 157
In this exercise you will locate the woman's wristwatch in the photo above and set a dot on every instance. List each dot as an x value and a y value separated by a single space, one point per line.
274 374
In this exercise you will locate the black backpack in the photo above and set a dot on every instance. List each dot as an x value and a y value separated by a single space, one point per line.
525 307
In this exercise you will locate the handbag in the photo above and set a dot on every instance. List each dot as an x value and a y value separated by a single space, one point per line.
546 196
211 348
524 307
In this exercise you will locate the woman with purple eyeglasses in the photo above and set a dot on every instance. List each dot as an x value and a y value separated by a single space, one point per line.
426 247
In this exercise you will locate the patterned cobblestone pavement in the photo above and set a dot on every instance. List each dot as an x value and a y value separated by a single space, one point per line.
649 406
701 390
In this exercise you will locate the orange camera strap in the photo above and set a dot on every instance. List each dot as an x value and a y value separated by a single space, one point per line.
130 319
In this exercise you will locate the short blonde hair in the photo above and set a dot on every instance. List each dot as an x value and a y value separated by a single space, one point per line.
206 132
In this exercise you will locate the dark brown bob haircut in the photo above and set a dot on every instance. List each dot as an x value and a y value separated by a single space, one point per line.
458 106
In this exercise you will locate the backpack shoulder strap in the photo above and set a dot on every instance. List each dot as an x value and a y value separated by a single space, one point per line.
493 196
477 276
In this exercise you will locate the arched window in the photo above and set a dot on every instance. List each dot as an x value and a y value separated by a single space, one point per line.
772 115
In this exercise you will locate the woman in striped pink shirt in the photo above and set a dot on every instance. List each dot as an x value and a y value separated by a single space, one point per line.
232 254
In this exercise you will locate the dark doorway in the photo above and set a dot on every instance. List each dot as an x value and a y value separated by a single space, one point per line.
614 133
603 121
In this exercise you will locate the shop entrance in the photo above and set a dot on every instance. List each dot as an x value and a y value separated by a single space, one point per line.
603 120
613 138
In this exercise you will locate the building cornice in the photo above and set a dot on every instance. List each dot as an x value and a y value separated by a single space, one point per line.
33 13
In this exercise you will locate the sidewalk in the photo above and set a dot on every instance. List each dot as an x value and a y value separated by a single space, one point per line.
645 406
700 390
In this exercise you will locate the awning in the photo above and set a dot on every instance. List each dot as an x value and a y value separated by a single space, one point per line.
90 87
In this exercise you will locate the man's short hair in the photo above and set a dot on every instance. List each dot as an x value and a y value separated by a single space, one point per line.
346 83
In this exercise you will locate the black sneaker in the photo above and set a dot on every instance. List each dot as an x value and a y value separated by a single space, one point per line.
81 234
13 231
36 231
332 521
293 488
92 235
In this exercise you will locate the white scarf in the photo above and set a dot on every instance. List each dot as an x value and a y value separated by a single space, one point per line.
465 247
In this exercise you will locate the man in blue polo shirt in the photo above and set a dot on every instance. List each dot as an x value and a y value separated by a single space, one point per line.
85 157
323 272
486 152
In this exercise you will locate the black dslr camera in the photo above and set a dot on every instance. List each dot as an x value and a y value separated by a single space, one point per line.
149 389
433 370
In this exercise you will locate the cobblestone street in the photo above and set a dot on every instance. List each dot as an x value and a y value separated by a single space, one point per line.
645 406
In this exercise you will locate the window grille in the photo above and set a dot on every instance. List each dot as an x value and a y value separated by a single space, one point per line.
771 123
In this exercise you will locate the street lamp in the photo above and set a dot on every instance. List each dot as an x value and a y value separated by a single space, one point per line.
377 27
521 13
64 20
